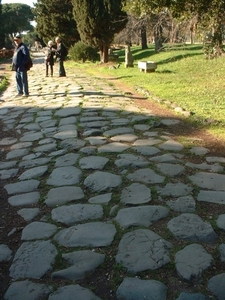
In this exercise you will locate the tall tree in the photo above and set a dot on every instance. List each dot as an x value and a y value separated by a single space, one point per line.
16 18
98 21
144 10
55 18
2 35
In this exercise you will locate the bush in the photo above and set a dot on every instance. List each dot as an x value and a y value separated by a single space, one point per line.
82 52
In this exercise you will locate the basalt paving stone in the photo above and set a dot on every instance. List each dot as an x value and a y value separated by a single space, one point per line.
96 140
38 231
22 187
33 173
221 221
93 162
72 144
192 261
142 250
171 145
81 263
8 141
101 199
68 159
175 189
62 195
216 285
94 234
68 175
209 181
117 131
24 199
27 290
146 176
135 194
146 150
17 153
33 260
182 204
5 253
192 228
10 173
29 214
170 170
130 160
102 181
71 292
189 296
7 164
204 166
141 216
135 288
211 196
76 213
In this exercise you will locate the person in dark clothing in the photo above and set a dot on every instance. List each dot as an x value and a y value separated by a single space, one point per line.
20 58
61 54
49 58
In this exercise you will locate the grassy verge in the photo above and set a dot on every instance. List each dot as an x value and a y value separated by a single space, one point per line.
183 77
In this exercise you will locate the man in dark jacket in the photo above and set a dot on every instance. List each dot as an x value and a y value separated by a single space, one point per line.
20 58
61 54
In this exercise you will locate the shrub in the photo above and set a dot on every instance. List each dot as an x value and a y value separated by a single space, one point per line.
83 52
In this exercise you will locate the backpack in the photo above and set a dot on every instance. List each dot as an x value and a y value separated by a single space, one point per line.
29 64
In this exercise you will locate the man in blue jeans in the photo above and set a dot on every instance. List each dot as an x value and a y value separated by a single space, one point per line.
20 58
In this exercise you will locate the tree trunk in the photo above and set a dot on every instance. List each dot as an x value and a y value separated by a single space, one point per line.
104 53
158 38
144 44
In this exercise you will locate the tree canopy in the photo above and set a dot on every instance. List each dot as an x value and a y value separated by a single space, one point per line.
98 21
16 18
55 18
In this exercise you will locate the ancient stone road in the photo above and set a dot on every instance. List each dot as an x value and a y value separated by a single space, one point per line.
107 171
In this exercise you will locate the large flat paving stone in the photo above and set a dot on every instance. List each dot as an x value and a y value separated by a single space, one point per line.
135 288
38 230
24 199
141 216
136 193
146 176
191 227
61 195
22 187
72 292
93 162
101 181
27 290
81 263
130 160
211 196
33 260
5 253
216 285
192 261
142 250
72 214
95 234
33 173
210 181
64 176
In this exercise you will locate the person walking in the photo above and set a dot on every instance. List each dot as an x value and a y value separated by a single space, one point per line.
49 58
20 58
61 54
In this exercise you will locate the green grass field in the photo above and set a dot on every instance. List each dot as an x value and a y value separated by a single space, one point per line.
183 76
